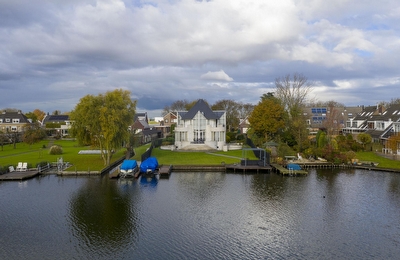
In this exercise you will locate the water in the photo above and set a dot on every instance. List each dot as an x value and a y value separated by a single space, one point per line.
330 214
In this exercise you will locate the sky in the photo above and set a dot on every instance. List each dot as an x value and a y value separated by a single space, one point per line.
54 52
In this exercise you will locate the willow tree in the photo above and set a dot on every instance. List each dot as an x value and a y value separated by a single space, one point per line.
103 121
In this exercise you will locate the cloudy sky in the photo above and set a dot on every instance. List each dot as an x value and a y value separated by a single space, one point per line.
53 52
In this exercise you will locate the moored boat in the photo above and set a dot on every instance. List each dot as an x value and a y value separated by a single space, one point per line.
149 166
129 168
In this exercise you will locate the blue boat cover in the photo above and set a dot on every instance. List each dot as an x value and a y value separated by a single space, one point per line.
294 166
128 165
150 163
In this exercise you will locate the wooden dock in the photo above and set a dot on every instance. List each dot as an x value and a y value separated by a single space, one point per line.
165 170
19 175
284 171
248 168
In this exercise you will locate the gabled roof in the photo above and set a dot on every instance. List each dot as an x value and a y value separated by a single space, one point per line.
14 115
202 107
366 113
390 114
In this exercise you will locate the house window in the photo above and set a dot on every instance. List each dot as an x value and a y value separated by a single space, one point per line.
1 120
166 120
15 121
7 120
14 128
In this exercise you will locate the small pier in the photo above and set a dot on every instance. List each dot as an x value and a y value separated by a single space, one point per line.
165 171
248 168
284 171
19 175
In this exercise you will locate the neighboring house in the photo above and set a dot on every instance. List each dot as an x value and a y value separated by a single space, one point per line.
334 118
200 128
143 131
381 127
378 122
13 122
244 125
166 123
358 123
57 125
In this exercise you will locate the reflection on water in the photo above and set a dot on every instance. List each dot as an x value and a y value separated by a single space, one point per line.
103 217
329 214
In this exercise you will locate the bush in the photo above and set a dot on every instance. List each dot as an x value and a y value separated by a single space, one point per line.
55 149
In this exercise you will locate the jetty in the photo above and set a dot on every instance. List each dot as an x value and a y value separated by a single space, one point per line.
285 171
19 175
165 171
248 168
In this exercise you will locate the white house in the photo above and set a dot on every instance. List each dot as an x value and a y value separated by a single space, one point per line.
200 128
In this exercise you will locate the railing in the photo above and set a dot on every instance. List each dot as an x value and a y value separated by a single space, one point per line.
44 168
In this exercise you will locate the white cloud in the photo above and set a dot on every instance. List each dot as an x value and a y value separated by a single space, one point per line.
158 49
216 75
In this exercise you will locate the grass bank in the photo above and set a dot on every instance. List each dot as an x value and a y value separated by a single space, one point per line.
383 162
168 157
33 154
39 152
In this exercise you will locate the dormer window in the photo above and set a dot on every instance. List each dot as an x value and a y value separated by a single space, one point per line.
8 120
15 121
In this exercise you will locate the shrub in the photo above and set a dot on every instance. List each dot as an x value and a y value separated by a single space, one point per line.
55 149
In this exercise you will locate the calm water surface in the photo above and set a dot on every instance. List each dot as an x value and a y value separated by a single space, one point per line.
330 214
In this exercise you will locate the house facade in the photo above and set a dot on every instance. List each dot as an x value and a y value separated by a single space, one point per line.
200 127
244 125
144 133
379 122
57 125
166 122
13 122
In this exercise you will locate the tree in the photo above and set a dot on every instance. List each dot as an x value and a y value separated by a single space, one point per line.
245 110
394 142
179 105
232 112
267 118
33 133
103 121
292 93
364 139
39 114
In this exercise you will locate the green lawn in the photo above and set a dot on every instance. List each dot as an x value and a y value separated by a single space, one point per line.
383 162
36 153
167 157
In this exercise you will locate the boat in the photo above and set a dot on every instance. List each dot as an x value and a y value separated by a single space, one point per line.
149 166
293 167
129 168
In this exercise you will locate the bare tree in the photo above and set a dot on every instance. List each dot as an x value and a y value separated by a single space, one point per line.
292 91
245 110
179 105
